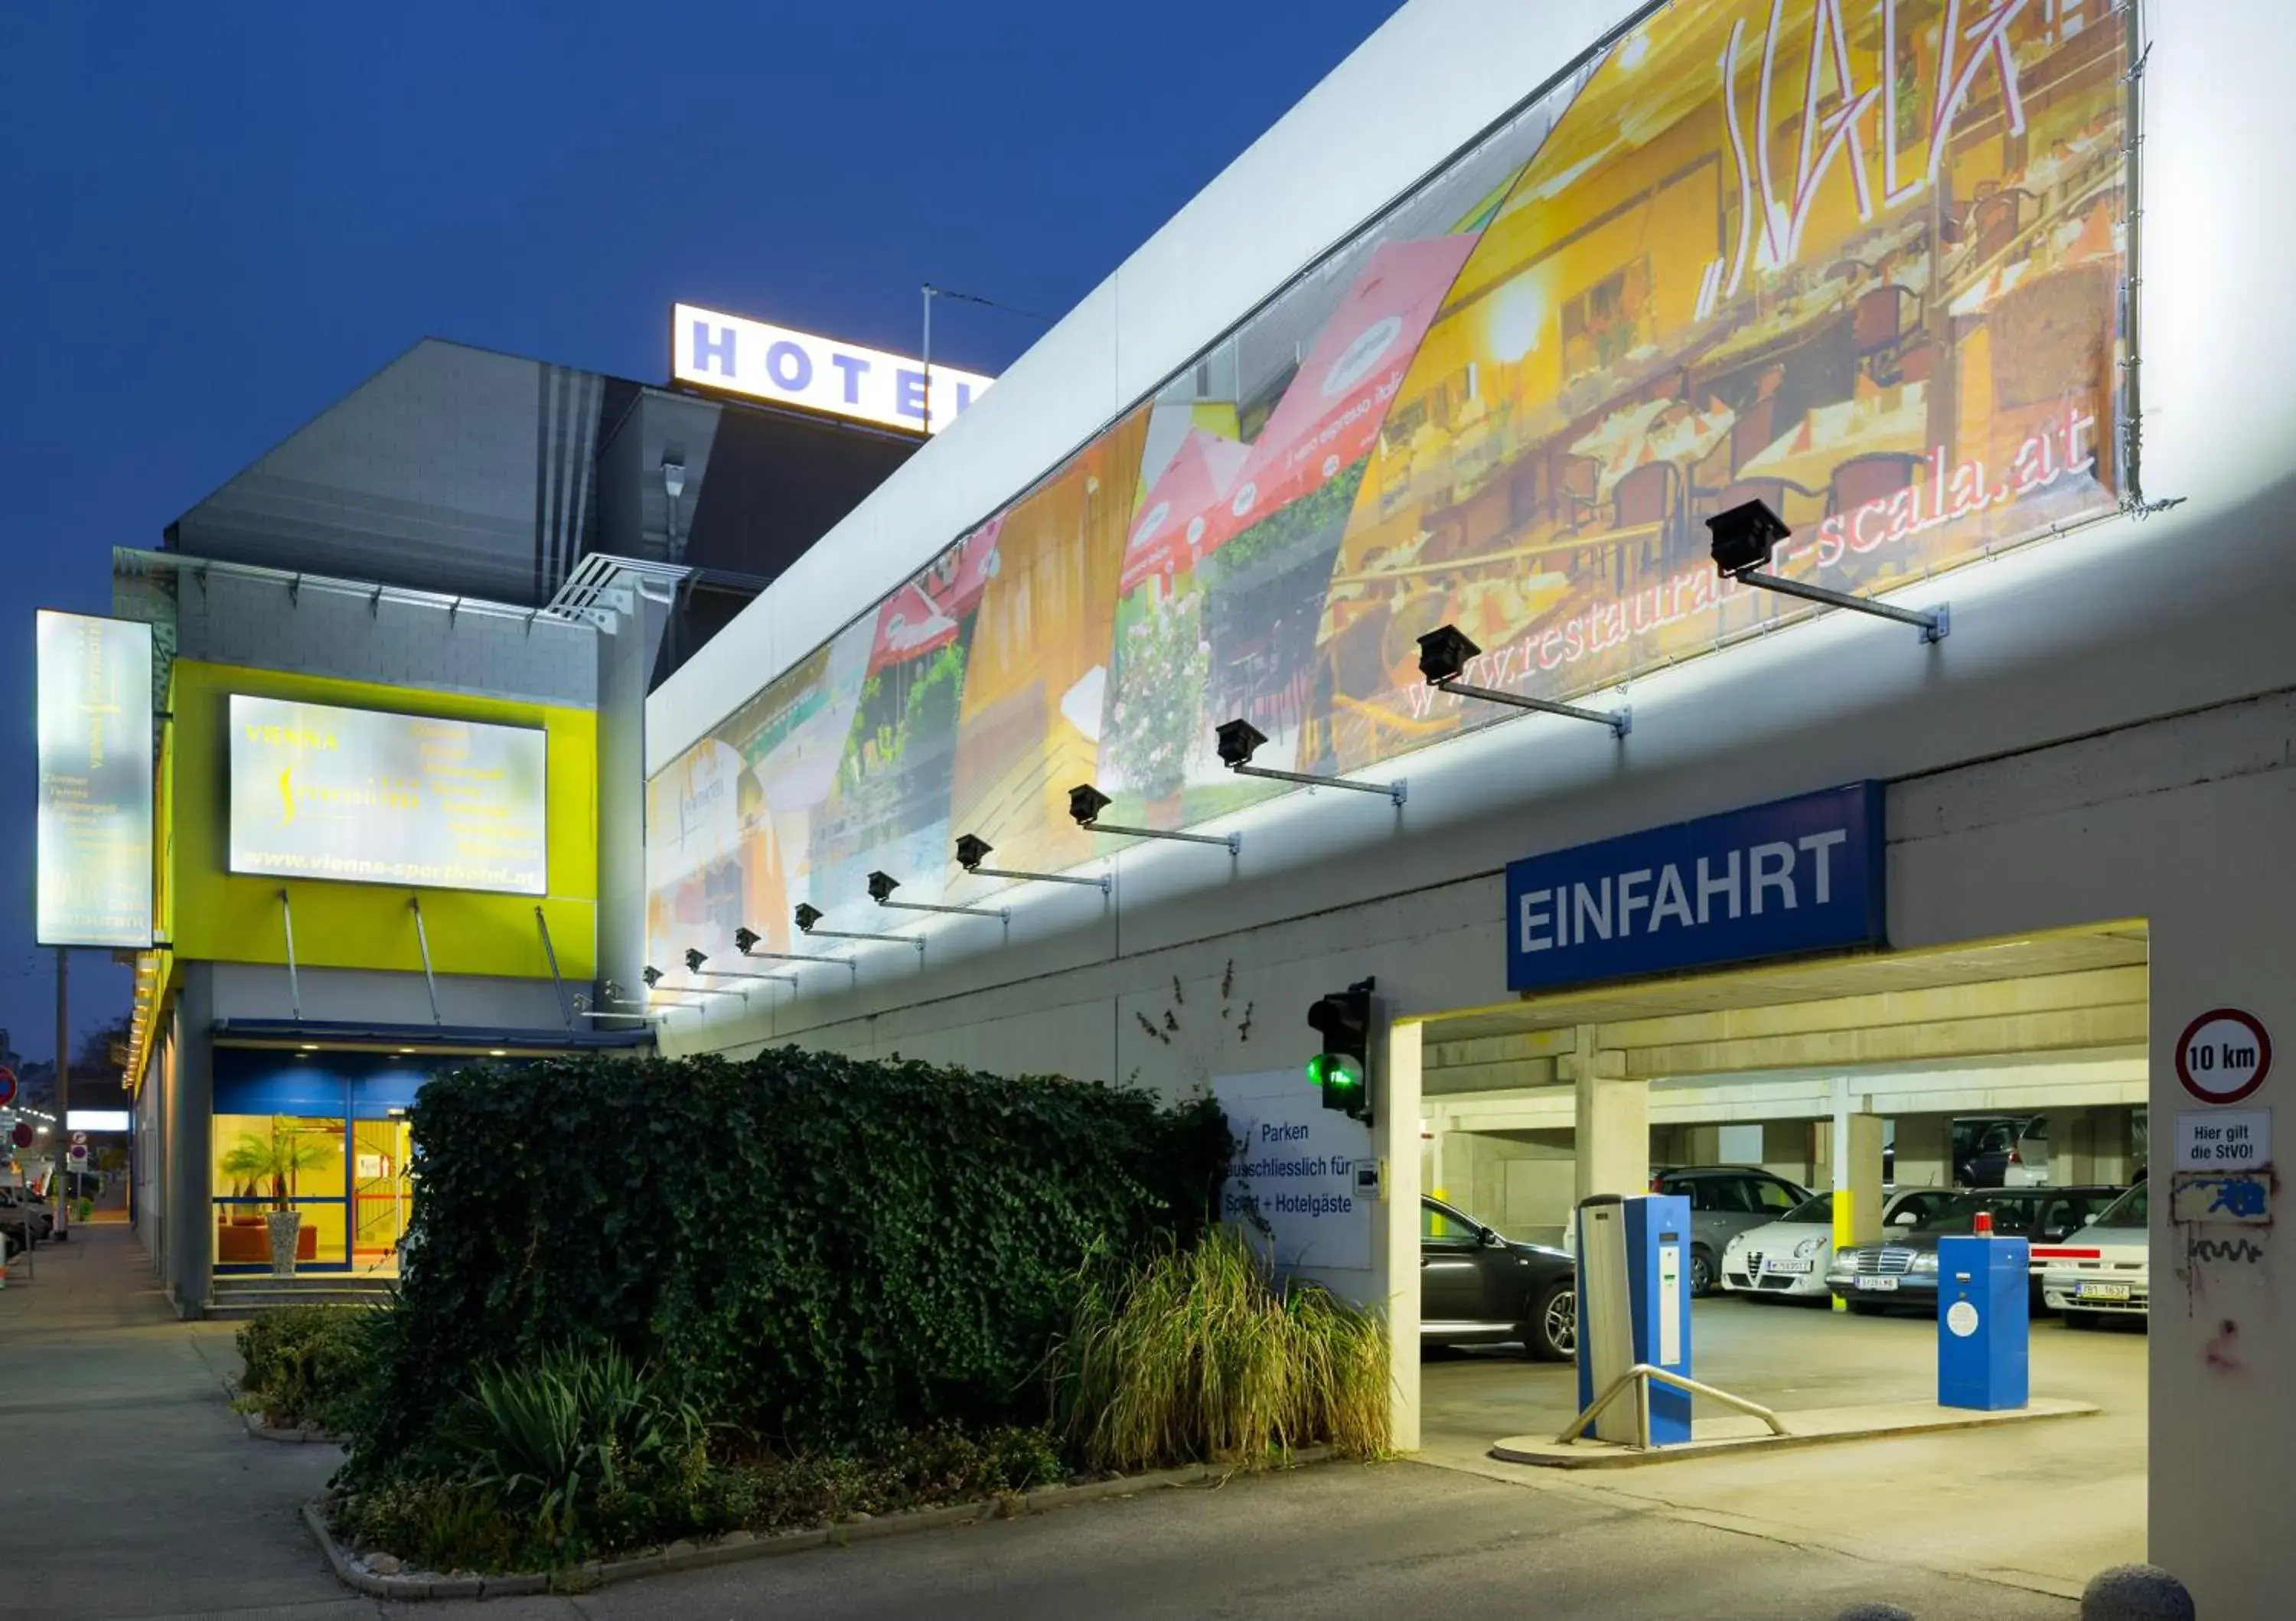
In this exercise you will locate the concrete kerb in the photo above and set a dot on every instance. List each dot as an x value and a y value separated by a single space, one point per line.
262 1431
737 1546
1808 1427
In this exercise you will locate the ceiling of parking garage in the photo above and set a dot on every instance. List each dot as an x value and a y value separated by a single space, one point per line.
2121 946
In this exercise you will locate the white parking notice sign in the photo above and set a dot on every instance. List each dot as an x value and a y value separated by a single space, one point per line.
1292 1184
2223 1055
2224 1139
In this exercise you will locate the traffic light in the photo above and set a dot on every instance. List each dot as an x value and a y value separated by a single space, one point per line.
1341 1071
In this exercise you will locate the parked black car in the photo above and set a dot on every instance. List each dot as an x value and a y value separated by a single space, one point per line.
1901 1270
1986 1147
1478 1287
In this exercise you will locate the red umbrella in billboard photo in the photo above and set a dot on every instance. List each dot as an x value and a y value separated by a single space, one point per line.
1180 508
926 614
1330 416
1270 559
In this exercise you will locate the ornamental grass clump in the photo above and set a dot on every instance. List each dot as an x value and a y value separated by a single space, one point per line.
1198 1355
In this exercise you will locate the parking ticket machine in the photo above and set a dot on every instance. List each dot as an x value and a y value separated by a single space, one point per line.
1984 1285
1634 1307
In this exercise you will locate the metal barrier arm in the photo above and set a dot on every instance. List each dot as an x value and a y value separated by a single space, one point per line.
1639 1376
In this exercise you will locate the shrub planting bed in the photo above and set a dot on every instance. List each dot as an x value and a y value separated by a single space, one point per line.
645 1303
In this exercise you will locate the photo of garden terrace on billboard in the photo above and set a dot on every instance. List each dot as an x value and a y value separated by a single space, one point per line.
1861 262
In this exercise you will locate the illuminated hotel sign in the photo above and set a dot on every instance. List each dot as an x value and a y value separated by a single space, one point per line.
95 833
367 797
815 373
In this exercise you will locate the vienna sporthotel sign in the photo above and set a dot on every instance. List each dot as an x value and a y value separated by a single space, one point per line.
785 367
1797 875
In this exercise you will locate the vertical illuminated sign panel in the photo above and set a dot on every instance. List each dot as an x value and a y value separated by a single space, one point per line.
94 839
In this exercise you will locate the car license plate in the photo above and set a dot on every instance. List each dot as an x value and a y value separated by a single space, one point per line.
2101 1291
1880 1283
1792 1266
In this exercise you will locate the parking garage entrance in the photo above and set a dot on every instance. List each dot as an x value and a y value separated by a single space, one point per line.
1900 1092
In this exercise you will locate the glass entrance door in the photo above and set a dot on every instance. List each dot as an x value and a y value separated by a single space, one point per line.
381 1192
264 1163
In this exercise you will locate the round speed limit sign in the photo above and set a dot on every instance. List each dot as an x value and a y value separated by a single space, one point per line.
2223 1055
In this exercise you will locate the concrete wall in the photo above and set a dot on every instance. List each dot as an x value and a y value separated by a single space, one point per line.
2107 734
319 630
1521 1183
250 990
187 1257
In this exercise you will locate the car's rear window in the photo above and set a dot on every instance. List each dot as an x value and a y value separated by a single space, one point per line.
2132 1209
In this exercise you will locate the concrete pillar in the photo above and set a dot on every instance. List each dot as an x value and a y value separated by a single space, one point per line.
1856 1171
2112 1141
1924 1151
1395 1248
1614 1122
1786 1150
2072 1146
1451 1163
190 1159
1701 1145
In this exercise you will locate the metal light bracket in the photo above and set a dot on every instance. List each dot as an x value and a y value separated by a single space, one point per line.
1397 791
1935 625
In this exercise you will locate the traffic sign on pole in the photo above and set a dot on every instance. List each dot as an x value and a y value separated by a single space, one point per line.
7 1086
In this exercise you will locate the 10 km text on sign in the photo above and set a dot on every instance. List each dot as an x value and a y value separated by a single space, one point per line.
2224 1055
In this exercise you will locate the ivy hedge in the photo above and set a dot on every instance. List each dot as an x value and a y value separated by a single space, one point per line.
823 1251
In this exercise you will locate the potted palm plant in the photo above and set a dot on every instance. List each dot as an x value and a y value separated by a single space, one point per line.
279 1160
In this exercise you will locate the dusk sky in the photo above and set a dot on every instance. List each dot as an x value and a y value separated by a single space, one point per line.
222 218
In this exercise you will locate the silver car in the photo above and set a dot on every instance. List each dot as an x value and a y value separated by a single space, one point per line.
1724 1201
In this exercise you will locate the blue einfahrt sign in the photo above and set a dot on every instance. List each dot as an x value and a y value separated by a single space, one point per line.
1803 874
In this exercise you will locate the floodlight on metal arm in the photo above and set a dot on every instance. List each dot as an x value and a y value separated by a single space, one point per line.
652 978
661 1006
745 941
808 916
694 960
1085 803
972 850
1746 535
1443 654
881 886
1239 739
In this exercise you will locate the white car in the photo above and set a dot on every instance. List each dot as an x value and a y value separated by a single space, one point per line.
2105 1267
1789 1256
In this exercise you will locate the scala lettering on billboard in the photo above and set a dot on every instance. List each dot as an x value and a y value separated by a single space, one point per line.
1799 875
1864 265
367 797
94 835
815 373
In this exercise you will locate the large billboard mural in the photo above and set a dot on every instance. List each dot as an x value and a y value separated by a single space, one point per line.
1862 262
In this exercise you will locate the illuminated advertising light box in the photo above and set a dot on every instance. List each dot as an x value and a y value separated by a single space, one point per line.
361 796
812 372
94 834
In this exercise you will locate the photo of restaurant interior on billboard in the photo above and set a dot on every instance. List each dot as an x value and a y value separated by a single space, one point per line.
1861 262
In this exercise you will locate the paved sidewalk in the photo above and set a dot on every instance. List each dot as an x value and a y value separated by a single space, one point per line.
131 1490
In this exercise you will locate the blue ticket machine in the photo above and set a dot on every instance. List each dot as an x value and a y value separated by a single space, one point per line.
1983 1286
1634 1307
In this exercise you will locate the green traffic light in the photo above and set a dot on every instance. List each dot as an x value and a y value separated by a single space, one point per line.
1334 1070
